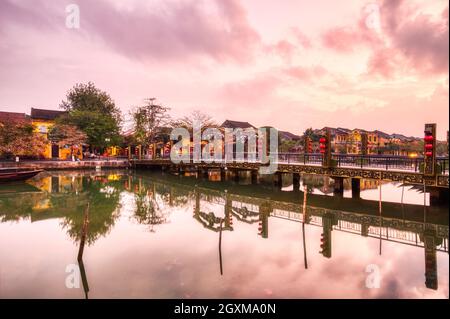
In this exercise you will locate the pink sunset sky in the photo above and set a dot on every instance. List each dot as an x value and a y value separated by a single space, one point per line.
292 64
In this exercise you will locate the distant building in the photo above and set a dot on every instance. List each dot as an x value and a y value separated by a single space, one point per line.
236 124
358 141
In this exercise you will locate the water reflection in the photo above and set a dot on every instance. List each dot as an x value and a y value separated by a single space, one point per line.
89 205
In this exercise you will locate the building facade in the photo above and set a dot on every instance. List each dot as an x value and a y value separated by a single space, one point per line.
43 121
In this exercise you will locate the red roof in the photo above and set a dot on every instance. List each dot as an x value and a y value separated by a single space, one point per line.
13 116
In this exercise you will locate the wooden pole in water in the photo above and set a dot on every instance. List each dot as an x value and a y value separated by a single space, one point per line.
84 231
403 208
424 202
379 210
220 247
305 259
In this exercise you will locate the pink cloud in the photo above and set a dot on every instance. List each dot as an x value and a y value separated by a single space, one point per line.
340 39
407 38
176 30
283 48
305 73
422 40
170 30
382 62
250 93
302 38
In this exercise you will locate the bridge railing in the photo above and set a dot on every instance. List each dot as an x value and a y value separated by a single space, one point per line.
443 163
373 161
381 162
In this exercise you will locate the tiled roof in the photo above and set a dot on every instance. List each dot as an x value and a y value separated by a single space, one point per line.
13 116
236 124
40 114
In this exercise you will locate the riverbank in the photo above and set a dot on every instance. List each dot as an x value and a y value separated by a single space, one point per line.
62 165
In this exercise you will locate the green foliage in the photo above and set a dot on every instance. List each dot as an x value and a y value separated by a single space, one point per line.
95 113
310 133
286 145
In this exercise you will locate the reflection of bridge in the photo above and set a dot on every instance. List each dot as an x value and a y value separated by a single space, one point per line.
356 167
407 231
400 223
403 223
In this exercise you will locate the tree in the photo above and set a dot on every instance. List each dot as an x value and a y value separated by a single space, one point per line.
287 145
196 116
148 121
70 135
95 113
17 138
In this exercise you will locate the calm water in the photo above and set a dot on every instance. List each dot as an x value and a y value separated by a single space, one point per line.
148 235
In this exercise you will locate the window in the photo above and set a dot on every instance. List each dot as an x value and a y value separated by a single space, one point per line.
42 129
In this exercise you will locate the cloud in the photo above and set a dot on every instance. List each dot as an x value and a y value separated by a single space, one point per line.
283 48
340 39
302 39
16 13
407 40
291 45
422 40
305 73
165 30
175 30
252 92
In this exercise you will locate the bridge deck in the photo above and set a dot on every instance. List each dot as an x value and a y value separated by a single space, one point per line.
389 173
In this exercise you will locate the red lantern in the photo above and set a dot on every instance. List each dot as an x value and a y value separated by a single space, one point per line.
429 144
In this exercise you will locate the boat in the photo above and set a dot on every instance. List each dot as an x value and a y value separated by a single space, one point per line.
17 174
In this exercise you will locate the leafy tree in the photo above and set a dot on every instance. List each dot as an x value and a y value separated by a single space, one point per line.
309 132
286 146
95 113
17 138
148 121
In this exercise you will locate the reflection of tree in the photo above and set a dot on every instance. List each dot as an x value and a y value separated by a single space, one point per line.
148 211
18 207
179 197
103 198
68 201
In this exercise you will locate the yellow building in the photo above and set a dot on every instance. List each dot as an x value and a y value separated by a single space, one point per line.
43 121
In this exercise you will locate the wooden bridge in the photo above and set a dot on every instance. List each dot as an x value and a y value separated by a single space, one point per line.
382 168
